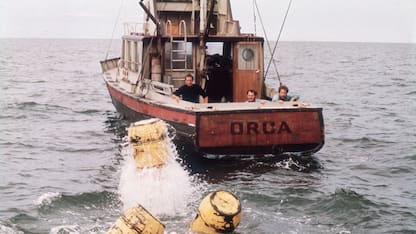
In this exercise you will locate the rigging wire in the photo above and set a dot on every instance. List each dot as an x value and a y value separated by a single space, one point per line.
277 41
114 28
267 40
254 18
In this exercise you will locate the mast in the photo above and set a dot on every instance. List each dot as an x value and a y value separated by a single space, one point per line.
204 24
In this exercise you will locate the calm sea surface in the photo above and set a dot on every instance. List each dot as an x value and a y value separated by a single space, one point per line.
65 166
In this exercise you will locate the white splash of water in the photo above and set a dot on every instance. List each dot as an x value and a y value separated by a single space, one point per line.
8 230
70 229
290 164
47 198
168 190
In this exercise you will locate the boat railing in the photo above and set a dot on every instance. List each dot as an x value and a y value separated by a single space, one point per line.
162 88
130 65
168 27
133 28
109 64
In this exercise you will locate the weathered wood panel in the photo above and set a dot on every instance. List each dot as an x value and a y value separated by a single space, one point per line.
257 129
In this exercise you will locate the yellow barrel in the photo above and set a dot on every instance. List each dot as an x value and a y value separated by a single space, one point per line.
147 130
148 142
150 154
137 220
219 212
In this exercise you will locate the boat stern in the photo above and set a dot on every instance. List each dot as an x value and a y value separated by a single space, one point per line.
279 131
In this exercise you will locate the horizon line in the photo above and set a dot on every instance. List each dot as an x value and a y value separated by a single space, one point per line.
92 38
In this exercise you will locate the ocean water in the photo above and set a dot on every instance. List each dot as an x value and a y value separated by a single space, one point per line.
65 166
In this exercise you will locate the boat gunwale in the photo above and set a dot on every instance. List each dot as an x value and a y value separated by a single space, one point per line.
209 108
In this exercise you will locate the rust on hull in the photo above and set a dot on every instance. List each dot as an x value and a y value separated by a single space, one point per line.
262 132
148 109
229 132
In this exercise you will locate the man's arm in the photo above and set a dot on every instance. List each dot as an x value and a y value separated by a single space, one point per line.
176 94
177 98
293 98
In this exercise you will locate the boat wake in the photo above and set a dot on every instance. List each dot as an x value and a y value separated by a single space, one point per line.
220 167
298 163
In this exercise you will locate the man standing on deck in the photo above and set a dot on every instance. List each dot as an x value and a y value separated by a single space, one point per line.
190 92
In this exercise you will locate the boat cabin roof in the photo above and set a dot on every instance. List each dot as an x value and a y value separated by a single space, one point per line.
195 38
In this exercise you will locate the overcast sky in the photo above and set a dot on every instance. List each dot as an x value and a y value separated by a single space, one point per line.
308 20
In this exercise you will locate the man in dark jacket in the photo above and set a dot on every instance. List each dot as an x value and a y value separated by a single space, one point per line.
190 92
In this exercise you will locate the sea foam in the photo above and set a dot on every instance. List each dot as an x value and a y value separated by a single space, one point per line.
47 198
166 190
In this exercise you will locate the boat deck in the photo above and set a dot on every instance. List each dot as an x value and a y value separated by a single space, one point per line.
235 106
164 99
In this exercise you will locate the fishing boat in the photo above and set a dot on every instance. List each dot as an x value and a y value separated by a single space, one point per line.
176 38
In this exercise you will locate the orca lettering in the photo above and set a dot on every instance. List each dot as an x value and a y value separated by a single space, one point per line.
255 128
237 128
284 127
268 127
252 127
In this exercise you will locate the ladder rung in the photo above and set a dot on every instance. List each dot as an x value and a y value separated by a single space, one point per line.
178 41
180 69
178 56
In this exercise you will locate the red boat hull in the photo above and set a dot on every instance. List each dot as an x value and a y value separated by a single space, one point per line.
256 131
261 131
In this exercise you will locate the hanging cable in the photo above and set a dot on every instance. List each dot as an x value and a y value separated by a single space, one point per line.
277 41
114 29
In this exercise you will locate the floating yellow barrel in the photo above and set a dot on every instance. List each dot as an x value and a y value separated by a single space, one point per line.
137 220
219 212
147 138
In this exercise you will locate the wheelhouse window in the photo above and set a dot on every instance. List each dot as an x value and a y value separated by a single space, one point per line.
247 57
131 54
223 49
127 57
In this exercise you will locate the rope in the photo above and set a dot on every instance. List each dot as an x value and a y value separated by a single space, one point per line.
114 29
254 18
277 41
267 40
